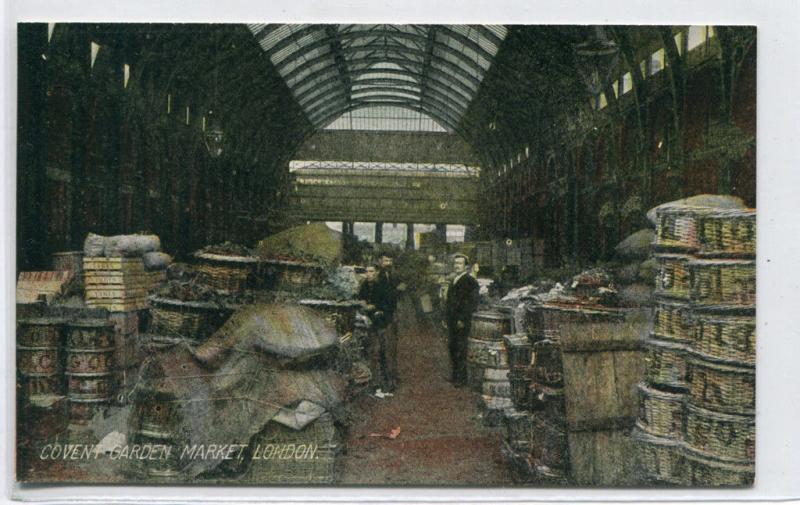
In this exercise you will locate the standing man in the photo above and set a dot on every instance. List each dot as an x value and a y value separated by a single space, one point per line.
462 301
373 294
392 288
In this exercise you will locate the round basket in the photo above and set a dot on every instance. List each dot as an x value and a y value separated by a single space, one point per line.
519 350
725 337
193 321
708 471
677 228
225 273
660 412
723 281
665 364
672 321
729 232
722 436
722 387
662 459
673 279
519 382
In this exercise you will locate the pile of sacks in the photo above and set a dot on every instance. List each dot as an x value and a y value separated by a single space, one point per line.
147 247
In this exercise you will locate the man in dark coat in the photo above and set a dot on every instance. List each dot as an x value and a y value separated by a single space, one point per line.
380 306
392 288
462 300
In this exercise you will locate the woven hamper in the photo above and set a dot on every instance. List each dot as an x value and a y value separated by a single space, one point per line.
722 387
662 459
672 321
708 471
660 412
677 228
665 364
725 337
723 281
722 436
728 232
673 278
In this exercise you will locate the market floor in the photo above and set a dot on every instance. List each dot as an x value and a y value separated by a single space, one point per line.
442 440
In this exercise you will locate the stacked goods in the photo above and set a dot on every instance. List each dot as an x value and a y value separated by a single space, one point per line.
126 350
520 355
90 369
696 423
40 359
34 286
119 284
485 345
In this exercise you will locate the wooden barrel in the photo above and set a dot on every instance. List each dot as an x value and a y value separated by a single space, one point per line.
496 383
727 233
662 459
665 364
487 354
722 436
90 368
727 337
672 321
722 387
490 325
672 275
40 360
707 471
723 281
660 412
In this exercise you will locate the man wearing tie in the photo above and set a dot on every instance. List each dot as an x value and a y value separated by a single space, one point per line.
462 300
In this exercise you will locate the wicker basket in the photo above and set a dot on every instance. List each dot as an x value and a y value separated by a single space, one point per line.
520 383
193 321
729 232
545 321
549 447
665 364
660 412
520 352
518 426
230 274
672 321
708 471
673 279
677 228
722 436
313 460
725 337
547 363
663 459
723 281
722 387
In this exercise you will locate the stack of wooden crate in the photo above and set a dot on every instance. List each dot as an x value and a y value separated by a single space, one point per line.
119 284
696 423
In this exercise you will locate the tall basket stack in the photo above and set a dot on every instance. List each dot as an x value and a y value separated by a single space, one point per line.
487 362
696 422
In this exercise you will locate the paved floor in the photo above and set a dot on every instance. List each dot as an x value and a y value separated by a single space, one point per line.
442 440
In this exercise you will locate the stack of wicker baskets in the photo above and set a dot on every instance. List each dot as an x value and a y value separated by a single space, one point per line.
696 424
487 362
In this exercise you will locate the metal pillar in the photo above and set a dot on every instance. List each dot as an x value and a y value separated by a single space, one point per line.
378 232
470 233
441 232
410 236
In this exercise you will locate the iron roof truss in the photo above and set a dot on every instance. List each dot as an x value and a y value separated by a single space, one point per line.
333 69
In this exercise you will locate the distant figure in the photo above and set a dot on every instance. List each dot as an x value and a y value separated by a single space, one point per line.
462 301
373 292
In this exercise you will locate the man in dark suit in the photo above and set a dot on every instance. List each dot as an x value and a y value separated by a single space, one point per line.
462 300
391 288
380 306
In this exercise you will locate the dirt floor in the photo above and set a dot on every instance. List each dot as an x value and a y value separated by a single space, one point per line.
442 440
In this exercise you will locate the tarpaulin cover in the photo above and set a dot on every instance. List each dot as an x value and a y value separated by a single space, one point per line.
233 399
286 331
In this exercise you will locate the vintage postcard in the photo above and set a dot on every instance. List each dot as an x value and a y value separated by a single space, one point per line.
411 255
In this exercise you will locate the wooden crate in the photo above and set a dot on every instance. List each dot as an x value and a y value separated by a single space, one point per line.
602 458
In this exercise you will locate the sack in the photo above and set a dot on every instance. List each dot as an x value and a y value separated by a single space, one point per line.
94 246
156 260
132 246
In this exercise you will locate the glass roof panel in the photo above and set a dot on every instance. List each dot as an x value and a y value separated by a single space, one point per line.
442 64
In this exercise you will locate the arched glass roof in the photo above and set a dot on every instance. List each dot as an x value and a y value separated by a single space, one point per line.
333 69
